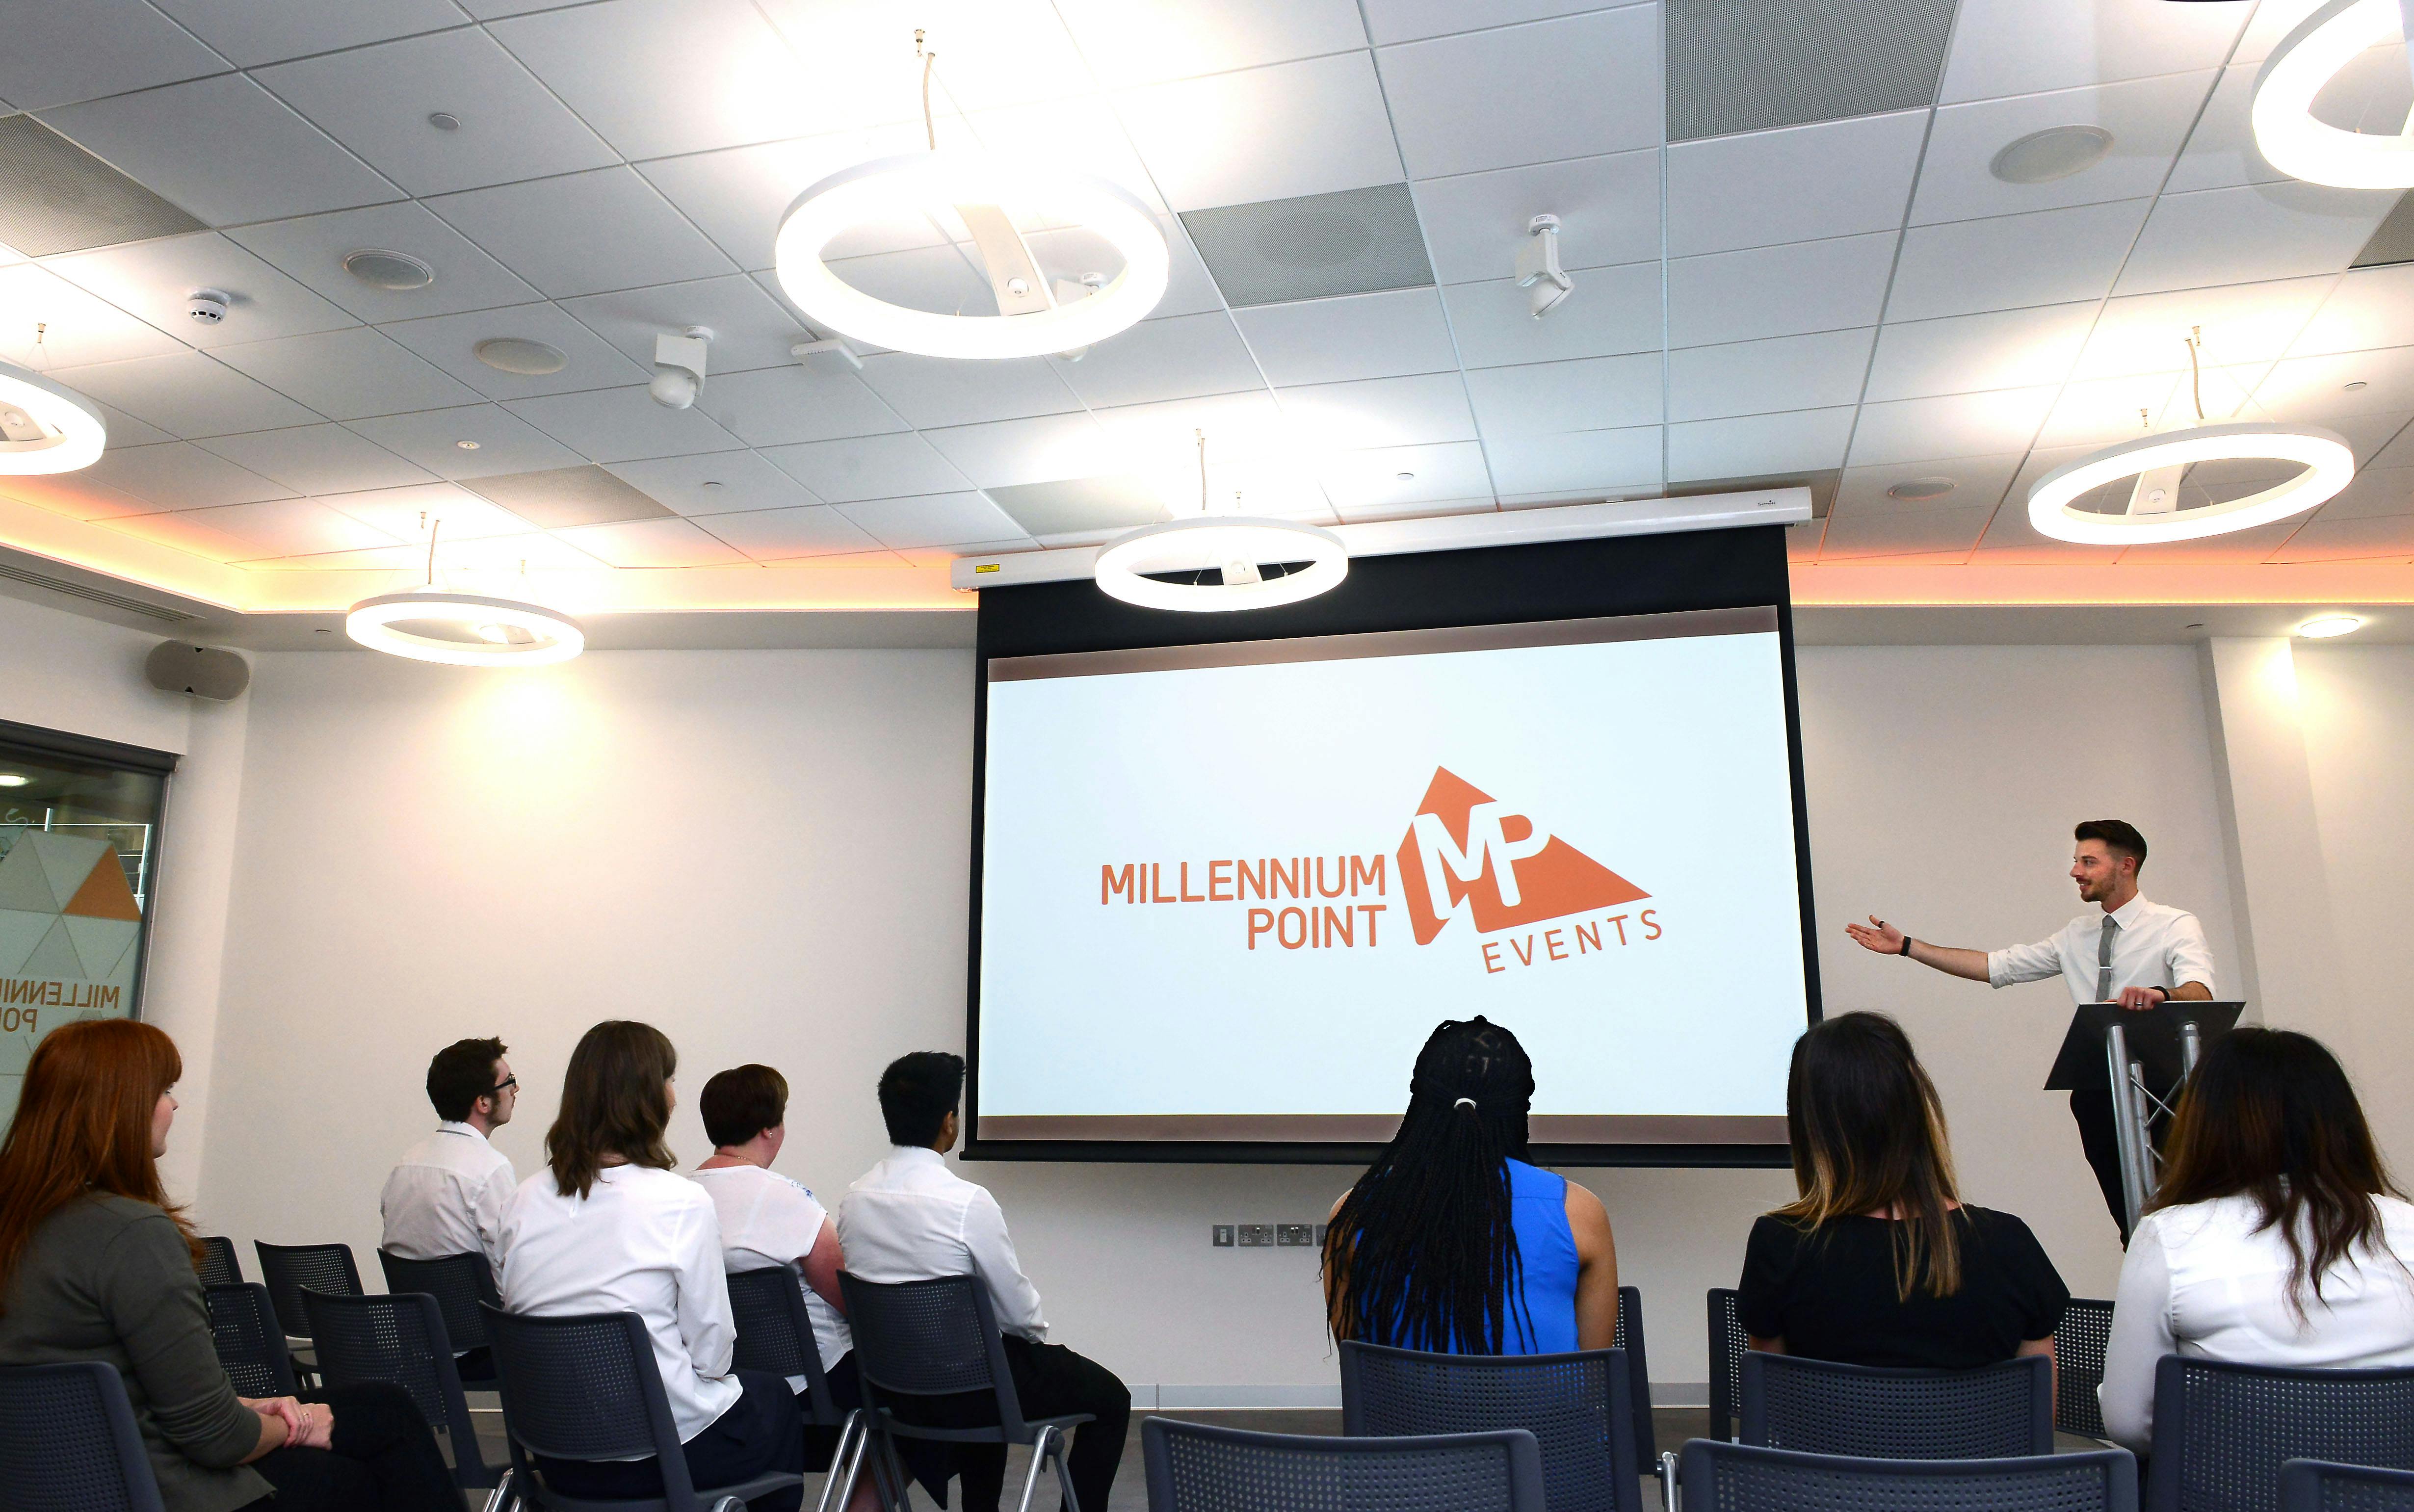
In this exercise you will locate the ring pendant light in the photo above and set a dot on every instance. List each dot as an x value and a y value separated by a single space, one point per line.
2286 131
45 428
505 632
2327 462
1033 321
1236 546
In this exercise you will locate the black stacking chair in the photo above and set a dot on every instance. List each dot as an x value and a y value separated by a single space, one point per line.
458 1282
1628 1337
1728 1346
775 1333
1737 1477
1194 1468
219 1266
586 1387
939 1338
251 1342
2317 1486
2223 1431
1817 1406
2078 1342
400 1338
1575 1405
68 1443
286 1268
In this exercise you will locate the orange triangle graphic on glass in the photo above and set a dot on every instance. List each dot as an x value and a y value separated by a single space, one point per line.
104 893
1550 884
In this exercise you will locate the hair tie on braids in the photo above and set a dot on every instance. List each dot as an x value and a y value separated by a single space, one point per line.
1463 1103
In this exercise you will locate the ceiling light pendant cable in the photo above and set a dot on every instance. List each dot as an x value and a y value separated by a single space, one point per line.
2301 145
500 632
2159 461
45 427
1133 566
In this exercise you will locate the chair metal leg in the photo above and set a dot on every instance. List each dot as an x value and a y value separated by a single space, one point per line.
846 1461
1668 1497
500 1499
888 1476
1048 1445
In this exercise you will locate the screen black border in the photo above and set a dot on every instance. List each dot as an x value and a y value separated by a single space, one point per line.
1744 566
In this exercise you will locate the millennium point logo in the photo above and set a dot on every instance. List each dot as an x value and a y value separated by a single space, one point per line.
1462 844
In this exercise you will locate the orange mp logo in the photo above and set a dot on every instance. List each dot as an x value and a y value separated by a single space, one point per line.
1462 845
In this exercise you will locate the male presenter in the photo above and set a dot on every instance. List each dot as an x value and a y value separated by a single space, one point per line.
2133 952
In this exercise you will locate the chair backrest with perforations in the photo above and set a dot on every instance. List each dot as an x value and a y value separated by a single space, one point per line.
585 1387
1737 1477
1628 1337
1194 1468
775 1333
1728 1346
2078 1342
2222 1431
68 1442
929 1339
457 1282
219 1266
251 1342
289 1267
1575 1407
1821 1407
398 1338
2318 1486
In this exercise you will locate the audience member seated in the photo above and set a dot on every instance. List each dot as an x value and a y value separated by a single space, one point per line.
97 1265
910 1217
1879 1262
1453 1242
2275 1238
446 1194
608 1228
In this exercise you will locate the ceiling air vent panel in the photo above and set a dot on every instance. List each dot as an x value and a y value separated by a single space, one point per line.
1356 242
55 196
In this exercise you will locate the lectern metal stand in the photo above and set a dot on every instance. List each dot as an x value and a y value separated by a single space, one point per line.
2136 1110
2123 1047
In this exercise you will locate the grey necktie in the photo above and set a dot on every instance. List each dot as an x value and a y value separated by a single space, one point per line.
2104 962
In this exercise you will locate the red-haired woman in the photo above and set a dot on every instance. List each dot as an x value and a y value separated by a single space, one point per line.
95 1264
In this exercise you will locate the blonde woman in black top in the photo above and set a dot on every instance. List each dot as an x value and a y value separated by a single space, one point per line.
1879 1262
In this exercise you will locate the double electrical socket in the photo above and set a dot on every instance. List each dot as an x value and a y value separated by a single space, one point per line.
1267 1236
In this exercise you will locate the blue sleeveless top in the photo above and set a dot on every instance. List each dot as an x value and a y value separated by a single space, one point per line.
1547 1248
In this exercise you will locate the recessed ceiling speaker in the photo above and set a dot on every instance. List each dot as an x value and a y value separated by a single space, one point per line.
517 354
2055 153
380 269
1915 490
202 671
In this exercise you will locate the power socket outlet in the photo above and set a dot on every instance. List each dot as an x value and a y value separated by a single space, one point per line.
1292 1234
1256 1236
1223 1235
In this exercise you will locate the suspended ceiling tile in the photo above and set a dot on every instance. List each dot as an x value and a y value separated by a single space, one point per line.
583 234
1271 133
1972 353
2241 323
2262 231
992 54
560 498
750 329
1796 441
58 54
431 438
783 406
1903 530
1151 41
1076 251
56 196
407 515
2221 149
1319 246
872 467
1587 393
375 100
1164 437
312 251
248 33
1083 510
1383 477
2317 388
1042 449
940 390
319 459
2098 411
1976 481
1613 310
2020 47
2375 492
47 322
2369 307
2259 543
1800 184
715 482
2047 256
178 474
1182 357
737 195
1595 461
185 531
622 424
1080 133
290 528
124 430
1956 425
2148 120
1753 377
151 280
1573 87
1766 291
938 278
932 520
1406 21
451 342
1475 224
186 395
1389 334
1376 413
225 149
346 375
2329 541
659 77
652 544
787 534
1743 66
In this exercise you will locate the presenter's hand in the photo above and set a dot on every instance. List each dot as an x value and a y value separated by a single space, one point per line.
1876 935
2138 1000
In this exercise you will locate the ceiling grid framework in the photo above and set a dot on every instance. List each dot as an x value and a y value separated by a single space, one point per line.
1849 298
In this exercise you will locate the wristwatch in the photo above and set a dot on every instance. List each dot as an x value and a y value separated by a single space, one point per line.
1906 947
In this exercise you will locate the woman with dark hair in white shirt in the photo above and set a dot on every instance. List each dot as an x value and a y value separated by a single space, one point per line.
2275 1238
608 1228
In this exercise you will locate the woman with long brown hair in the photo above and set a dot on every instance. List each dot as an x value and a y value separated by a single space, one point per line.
2275 1238
1879 1262
97 1264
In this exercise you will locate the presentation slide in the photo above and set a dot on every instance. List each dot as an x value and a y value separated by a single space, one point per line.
1228 890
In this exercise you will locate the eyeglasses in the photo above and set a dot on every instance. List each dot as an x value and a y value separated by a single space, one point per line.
504 1083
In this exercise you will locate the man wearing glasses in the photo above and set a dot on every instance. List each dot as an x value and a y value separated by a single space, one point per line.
446 1195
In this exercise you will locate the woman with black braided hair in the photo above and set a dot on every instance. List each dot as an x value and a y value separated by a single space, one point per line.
1451 1242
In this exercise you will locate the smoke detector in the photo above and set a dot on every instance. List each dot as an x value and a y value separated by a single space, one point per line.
207 305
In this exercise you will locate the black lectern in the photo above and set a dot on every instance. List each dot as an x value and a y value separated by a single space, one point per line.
2124 1050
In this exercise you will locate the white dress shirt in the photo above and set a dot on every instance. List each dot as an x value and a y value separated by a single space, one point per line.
767 1220
2200 1280
642 1241
911 1219
446 1197
2152 947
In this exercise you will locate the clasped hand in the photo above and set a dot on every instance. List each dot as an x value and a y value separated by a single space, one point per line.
307 1425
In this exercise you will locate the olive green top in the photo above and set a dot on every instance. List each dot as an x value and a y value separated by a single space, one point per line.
111 1279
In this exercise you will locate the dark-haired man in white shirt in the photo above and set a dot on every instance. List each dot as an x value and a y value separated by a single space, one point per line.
2130 951
446 1194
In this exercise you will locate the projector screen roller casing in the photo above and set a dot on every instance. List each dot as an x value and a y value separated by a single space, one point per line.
1228 876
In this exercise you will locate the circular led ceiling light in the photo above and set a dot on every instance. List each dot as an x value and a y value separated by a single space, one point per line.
2055 153
2327 626
2327 464
2285 129
45 428
1236 546
986 190
486 632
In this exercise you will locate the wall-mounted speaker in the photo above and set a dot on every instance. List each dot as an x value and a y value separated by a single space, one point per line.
202 671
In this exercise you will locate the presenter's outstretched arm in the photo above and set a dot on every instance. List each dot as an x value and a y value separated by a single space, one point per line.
1886 940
